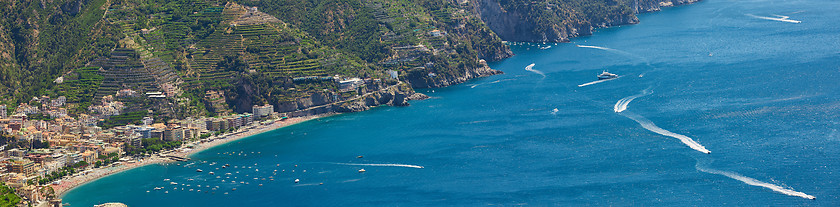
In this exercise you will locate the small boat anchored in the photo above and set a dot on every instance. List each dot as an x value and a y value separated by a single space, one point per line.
606 75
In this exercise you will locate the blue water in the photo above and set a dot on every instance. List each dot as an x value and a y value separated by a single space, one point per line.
760 94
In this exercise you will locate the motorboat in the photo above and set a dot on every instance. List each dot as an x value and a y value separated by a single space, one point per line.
606 75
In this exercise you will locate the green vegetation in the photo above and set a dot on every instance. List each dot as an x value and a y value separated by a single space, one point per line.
55 175
104 160
215 57
152 145
8 198
124 119
41 40
79 87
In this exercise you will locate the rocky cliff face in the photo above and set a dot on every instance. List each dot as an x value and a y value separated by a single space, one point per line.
558 21
422 78
656 5
375 95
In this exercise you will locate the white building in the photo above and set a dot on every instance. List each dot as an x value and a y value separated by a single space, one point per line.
263 111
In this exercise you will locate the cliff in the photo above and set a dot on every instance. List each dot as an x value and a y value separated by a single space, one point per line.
657 5
426 78
561 20
394 95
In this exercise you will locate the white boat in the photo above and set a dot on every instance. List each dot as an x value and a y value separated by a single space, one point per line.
173 183
297 180
362 170
606 75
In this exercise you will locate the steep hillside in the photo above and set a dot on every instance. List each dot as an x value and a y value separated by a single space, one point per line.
41 40
560 20
209 57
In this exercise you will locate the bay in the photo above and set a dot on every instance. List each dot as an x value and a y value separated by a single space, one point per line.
760 94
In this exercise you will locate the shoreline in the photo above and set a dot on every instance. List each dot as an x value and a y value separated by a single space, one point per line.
70 183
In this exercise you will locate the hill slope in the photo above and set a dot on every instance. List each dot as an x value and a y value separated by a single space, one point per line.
212 57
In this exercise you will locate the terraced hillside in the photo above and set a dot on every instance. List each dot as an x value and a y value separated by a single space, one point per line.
123 70
215 56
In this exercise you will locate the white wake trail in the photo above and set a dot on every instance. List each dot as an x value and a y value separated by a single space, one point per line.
779 18
382 165
596 47
597 81
621 105
754 182
531 68
647 124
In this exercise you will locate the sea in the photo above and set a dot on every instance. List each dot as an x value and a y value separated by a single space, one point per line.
752 82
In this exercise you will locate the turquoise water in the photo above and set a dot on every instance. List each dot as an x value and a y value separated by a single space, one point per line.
760 94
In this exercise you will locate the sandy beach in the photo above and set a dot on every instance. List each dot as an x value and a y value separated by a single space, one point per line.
68 183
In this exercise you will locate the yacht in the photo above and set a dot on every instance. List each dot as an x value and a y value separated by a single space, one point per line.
607 75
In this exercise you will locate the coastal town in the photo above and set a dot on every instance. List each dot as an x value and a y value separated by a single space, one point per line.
48 152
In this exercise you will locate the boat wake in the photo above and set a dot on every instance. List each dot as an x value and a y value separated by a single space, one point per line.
381 165
530 68
597 81
754 182
596 47
647 124
621 105
777 18
494 82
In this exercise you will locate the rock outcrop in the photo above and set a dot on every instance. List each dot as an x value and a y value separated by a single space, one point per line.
656 5
425 78
549 21
397 95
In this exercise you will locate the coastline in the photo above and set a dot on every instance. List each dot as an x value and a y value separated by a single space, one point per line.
70 183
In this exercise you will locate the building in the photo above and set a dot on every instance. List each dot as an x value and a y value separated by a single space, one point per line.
60 159
247 119
134 140
224 124
393 74
60 101
89 156
173 133
126 93
263 111
437 33
15 153
22 166
350 84
148 120
157 133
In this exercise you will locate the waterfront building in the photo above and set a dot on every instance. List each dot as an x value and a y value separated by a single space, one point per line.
263 111
173 133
